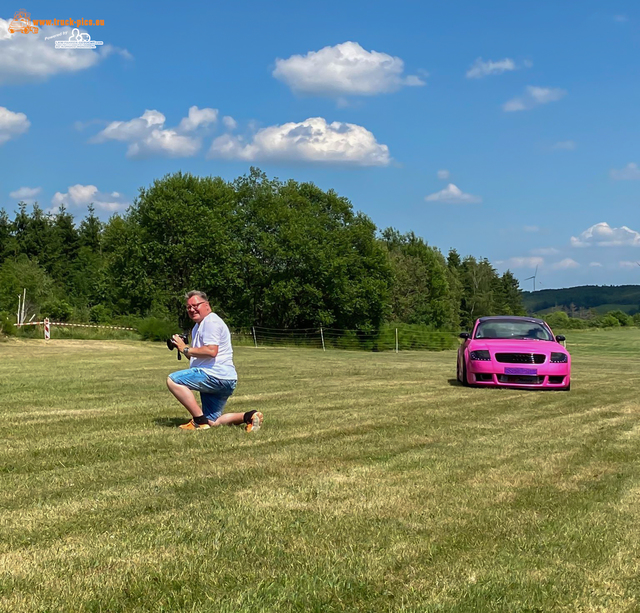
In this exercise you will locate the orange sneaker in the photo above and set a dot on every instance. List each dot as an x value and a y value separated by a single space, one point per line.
192 425
256 422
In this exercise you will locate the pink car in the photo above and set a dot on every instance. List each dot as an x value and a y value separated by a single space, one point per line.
510 351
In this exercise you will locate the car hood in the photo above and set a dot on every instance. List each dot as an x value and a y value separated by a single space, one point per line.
516 346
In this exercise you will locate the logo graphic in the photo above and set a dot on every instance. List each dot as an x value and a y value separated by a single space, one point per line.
22 23
78 40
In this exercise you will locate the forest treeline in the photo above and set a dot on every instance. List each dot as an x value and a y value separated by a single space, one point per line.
578 301
272 253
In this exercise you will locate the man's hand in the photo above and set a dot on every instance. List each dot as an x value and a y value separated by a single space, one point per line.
178 342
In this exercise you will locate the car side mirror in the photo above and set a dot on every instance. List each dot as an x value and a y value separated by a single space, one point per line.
560 338
465 335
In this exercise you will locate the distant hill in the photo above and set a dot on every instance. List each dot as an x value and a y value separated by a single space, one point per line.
600 298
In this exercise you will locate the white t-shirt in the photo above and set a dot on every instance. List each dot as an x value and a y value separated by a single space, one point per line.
213 331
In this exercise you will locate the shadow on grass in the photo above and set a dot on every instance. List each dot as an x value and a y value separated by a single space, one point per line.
524 388
169 422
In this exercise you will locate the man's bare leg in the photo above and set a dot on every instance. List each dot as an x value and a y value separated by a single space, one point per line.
228 419
188 400
251 419
185 397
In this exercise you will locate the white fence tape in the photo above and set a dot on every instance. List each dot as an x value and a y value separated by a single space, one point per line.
55 323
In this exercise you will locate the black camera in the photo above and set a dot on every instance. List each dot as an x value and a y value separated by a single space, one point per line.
171 346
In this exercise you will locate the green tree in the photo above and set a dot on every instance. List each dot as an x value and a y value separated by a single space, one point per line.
609 321
19 274
420 291
558 320
7 241
508 295
454 261
622 317
454 264
20 229
177 235
35 235
86 283
63 250
128 288
57 310
478 283
267 253
90 232
306 258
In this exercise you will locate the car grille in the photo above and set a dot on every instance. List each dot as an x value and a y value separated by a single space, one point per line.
520 358
524 379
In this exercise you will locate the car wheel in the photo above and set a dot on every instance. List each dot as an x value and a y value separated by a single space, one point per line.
465 381
568 388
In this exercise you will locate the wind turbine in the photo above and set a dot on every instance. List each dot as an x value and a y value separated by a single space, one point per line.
534 279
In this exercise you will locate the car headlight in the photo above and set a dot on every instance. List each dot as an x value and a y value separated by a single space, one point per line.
559 357
482 355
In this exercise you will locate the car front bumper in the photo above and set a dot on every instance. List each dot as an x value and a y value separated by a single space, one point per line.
490 373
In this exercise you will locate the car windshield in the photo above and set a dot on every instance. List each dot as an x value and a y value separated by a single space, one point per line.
513 329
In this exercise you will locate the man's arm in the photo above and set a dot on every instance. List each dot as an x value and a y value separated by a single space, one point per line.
206 351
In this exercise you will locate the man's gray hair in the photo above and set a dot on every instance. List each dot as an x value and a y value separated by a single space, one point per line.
193 293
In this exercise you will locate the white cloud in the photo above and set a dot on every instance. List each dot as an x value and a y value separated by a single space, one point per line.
480 69
531 228
29 57
620 18
443 174
628 264
81 125
346 69
630 172
83 195
595 264
453 195
147 135
26 194
534 96
566 145
603 235
108 50
198 117
545 251
164 142
565 264
312 140
12 124
229 122
134 129
524 262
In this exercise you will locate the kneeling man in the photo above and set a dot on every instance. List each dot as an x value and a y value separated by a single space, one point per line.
211 371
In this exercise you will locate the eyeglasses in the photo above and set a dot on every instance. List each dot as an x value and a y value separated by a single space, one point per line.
194 307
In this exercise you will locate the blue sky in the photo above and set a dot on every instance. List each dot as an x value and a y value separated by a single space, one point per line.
507 130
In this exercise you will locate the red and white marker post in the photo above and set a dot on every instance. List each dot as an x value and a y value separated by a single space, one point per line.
47 329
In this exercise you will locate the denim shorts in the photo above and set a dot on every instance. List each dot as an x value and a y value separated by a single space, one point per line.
214 393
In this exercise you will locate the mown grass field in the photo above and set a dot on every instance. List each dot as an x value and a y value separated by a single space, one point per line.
376 484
